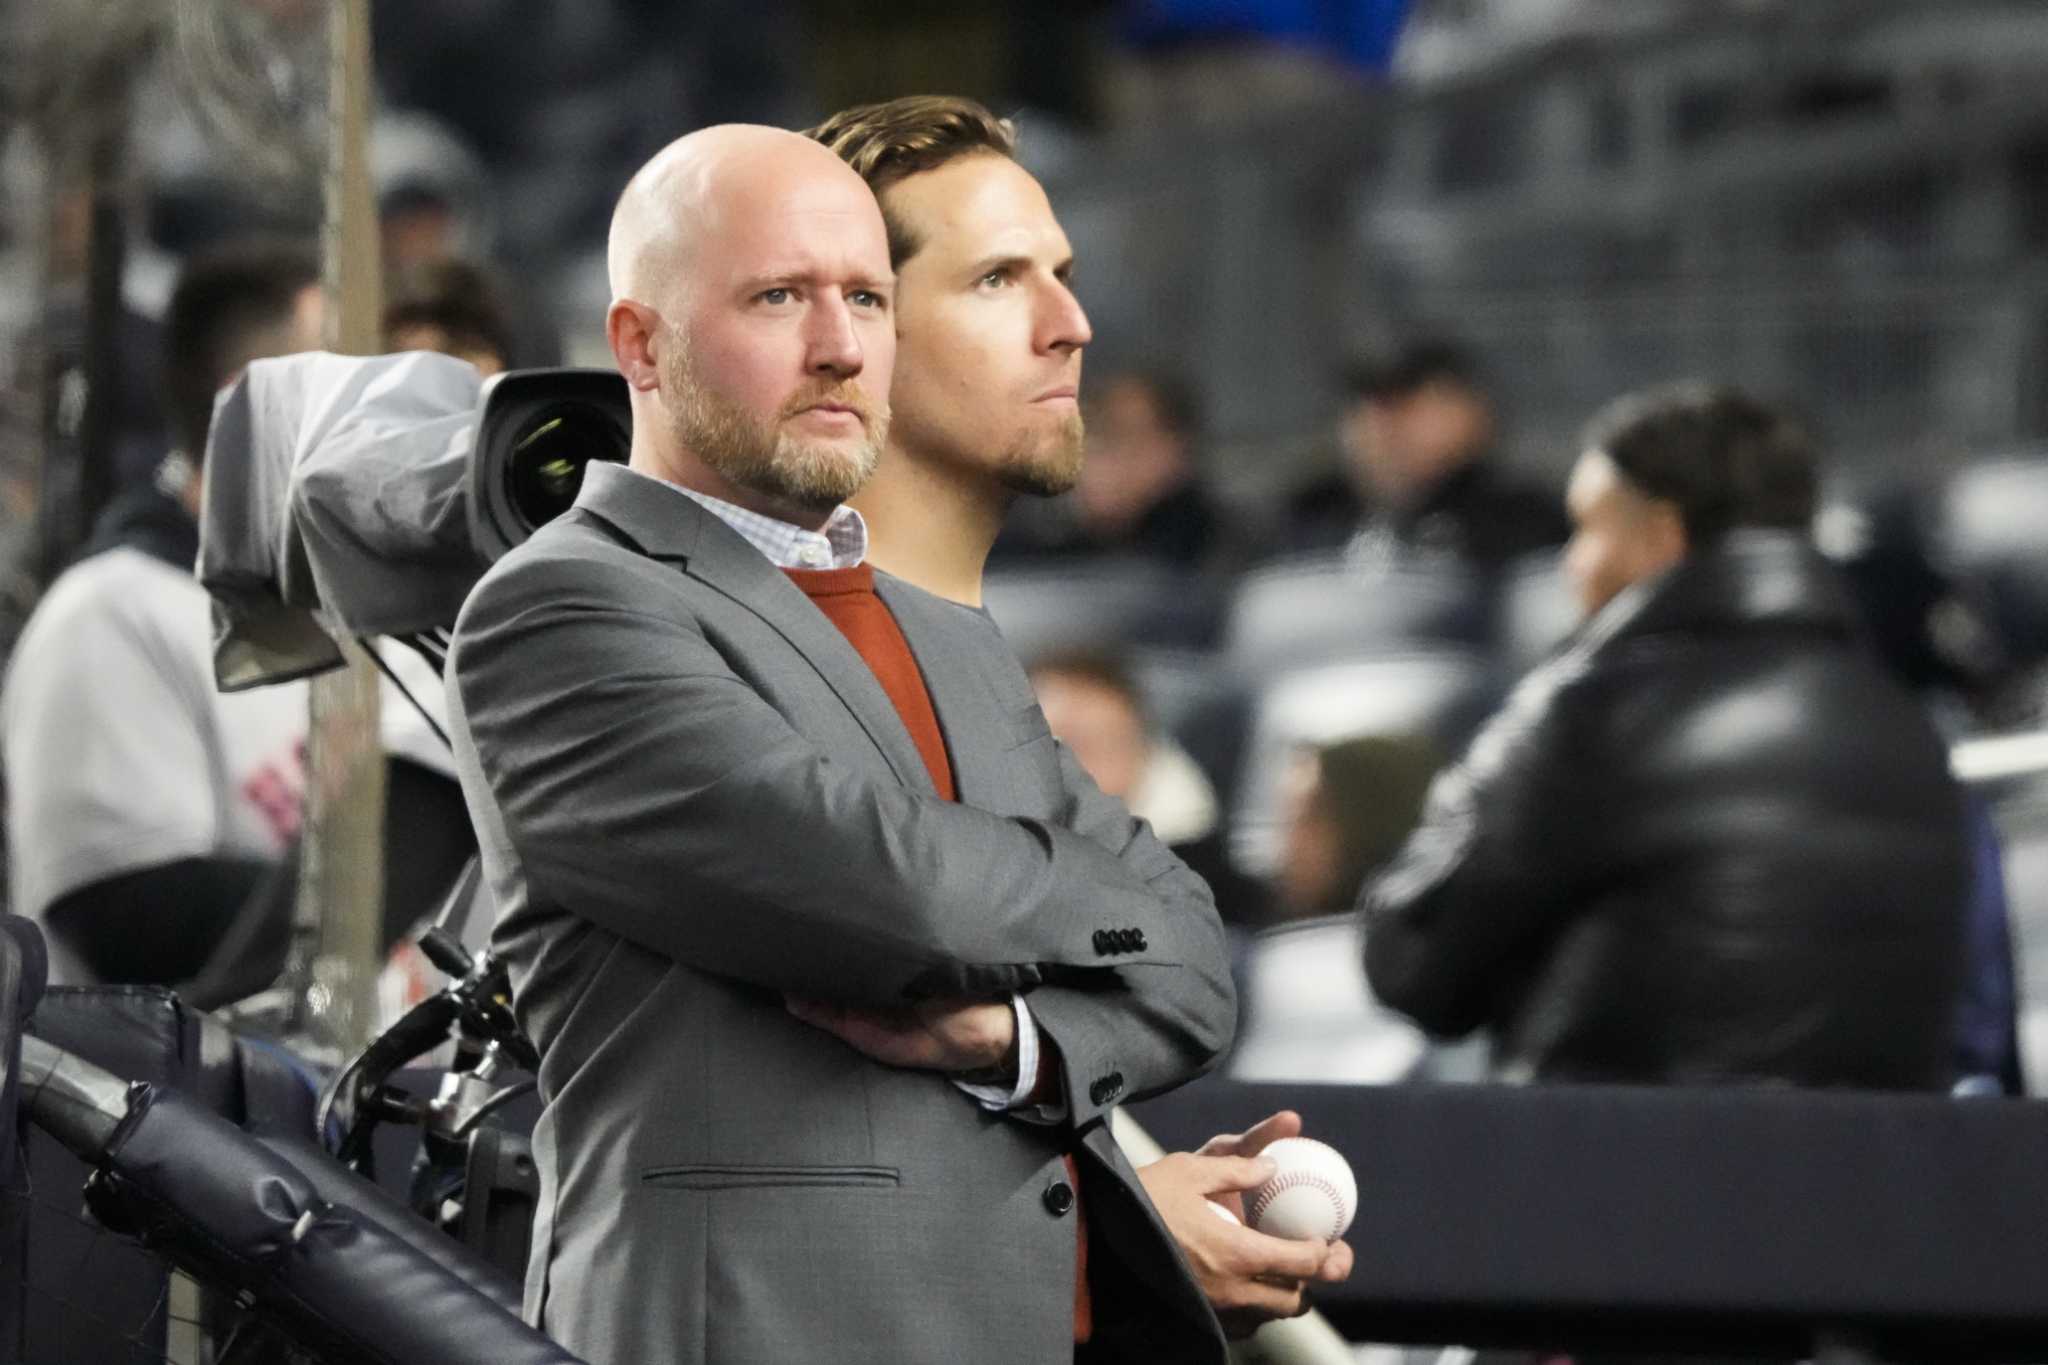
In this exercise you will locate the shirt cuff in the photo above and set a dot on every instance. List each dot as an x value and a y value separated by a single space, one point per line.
1013 1098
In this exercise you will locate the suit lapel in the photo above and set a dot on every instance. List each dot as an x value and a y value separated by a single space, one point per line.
954 664
665 524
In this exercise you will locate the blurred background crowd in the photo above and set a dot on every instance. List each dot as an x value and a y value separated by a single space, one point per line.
1360 274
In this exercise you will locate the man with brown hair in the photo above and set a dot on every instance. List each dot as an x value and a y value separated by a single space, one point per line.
985 406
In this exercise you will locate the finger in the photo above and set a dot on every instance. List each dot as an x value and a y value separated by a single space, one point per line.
1267 1131
1282 1282
1279 1258
1337 1265
1230 1174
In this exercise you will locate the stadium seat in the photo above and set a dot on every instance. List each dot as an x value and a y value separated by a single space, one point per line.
1988 538
1317 608
1099 604
1443 694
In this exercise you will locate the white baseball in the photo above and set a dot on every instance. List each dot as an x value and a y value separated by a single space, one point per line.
1311 1197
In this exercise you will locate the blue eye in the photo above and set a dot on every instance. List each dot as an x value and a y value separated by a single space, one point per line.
776 295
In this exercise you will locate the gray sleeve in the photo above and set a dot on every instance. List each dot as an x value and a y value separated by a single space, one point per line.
1153 1027
646 787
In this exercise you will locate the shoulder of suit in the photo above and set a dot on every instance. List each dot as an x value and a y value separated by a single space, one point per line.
577 553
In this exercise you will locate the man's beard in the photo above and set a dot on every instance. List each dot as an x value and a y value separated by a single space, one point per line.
1043 465
759 455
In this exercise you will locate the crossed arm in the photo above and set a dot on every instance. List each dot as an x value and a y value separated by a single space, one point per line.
646 785
650 788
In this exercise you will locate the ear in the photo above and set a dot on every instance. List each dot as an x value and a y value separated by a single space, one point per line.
634 331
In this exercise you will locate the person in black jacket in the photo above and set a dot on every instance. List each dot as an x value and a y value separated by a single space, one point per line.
1418 477
1710 839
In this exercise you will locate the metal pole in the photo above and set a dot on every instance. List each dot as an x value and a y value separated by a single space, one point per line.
341 878
105 258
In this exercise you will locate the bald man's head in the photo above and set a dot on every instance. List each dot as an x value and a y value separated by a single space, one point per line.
751 318
673 200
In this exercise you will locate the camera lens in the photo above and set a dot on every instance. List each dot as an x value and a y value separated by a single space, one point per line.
547 463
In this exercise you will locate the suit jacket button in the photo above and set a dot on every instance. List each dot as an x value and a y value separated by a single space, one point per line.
1102 948
1059 1198
1107 1088
1137 940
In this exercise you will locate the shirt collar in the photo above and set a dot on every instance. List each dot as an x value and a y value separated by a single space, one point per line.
843 543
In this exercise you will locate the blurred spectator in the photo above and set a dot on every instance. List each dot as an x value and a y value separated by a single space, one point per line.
147 810
435 216
1713 839
1418 477
1987 1059
1304 1012
1139 493
1349 807
1941 644
433 195
144 807
450 307
1094 707
1215 61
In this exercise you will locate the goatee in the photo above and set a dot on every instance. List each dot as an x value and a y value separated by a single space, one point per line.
1046 464
761 456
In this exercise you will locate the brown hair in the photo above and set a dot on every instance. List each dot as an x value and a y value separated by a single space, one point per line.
898 138
454 296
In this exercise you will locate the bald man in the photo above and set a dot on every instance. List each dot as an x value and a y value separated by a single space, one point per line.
835 960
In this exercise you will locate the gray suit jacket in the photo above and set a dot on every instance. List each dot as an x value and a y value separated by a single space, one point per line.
694 798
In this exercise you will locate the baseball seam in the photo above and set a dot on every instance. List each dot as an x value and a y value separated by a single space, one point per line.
1281 1184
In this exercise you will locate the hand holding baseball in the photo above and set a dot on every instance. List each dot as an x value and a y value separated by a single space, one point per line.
1249 1277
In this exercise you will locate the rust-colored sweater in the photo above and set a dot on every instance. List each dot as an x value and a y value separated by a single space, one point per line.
849 601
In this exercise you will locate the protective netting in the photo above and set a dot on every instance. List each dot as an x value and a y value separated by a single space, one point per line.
71 1291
